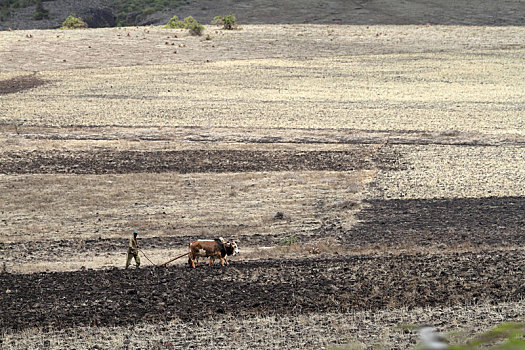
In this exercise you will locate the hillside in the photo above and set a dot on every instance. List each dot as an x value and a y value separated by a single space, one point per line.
104 13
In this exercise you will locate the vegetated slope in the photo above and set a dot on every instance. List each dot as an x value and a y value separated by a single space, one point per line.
100 13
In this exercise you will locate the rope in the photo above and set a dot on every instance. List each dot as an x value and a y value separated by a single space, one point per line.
140 250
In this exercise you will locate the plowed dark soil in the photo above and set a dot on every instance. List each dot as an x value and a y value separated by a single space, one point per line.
490 221
119 297
190 161
17 84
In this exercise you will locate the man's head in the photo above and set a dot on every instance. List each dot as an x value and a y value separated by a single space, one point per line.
135 233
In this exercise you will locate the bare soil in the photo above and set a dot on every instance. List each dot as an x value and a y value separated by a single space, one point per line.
191 161
489 221
274 287
20 83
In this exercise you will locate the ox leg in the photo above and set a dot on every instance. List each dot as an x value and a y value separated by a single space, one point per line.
191 256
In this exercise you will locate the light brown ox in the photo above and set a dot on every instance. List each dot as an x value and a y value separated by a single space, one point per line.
217 248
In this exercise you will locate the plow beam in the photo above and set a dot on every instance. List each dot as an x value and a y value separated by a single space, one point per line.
175 258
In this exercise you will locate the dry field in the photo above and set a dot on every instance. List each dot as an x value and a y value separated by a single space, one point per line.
396 155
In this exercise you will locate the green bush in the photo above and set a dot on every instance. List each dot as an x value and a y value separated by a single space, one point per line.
73 22
228 22
193 26
507 335
189 23
174 23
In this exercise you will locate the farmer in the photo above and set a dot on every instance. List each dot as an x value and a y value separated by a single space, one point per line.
133 250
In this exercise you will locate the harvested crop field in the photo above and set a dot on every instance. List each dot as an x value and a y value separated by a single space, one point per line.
373 177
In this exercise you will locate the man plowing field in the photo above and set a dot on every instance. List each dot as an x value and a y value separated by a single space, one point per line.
133 250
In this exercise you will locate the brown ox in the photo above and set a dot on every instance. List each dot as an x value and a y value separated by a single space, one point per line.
217 248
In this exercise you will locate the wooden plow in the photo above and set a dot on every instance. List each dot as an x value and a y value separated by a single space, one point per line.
167 262
175 258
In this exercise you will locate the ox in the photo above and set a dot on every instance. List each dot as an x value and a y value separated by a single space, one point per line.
217 248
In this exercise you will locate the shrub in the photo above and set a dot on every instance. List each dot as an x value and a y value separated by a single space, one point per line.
73 22
189 23
174 23
228 22
193 26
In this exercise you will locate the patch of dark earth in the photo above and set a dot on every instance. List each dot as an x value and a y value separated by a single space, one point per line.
396 140
190 161
26 82
121 297
490 221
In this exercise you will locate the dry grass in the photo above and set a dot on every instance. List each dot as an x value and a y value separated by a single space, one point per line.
92 206
75 261
108 47
444 171
23 138
462 91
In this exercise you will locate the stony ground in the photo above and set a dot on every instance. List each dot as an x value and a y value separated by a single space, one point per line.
394 153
